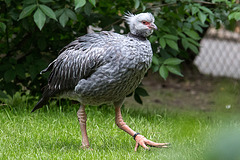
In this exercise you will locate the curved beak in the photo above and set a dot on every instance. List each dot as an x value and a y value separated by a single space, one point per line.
152 26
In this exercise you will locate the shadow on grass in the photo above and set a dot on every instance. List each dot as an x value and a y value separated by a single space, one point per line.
59 145
74 145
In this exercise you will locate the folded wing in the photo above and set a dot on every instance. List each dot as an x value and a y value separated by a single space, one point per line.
78 60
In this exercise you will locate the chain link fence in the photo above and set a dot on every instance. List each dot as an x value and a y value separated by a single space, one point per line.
219 54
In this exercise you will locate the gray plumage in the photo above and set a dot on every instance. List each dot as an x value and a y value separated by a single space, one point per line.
101 68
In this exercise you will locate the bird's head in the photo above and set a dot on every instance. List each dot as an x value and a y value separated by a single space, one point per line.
141 24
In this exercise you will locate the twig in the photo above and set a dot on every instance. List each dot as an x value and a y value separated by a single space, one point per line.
158 5
6 17
203 2
168 4
112 24
172 4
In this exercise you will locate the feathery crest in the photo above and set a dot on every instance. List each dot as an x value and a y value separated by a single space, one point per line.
128 17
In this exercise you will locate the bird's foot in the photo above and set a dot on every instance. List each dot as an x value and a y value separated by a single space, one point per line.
141 140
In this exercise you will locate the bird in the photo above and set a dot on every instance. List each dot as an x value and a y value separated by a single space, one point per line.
103 68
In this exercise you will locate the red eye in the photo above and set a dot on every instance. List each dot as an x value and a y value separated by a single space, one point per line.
144 22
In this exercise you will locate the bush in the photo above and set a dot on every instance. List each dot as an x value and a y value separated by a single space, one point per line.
33 31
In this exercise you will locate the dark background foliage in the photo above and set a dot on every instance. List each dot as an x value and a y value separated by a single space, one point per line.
33 31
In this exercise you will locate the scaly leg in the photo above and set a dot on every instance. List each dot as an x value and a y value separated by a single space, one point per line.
82 118
140 140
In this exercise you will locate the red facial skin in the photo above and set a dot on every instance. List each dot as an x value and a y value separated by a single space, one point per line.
149 25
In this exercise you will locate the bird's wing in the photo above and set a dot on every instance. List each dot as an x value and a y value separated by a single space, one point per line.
78 60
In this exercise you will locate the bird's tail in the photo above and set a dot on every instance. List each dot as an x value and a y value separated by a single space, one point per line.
40 103
47 93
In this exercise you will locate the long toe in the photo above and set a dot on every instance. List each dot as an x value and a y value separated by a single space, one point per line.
142 141
158 145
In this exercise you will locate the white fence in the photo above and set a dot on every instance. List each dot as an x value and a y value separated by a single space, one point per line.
219 54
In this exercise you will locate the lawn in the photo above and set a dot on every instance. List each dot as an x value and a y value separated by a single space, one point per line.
195 132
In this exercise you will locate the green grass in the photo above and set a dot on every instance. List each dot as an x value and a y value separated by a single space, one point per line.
55 133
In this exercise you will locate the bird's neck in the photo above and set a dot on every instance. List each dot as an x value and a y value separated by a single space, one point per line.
142 38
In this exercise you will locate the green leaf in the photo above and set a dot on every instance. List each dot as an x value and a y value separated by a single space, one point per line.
234 15
28 1
162 42
12 60
27 11
3 95
93 2
193 41
88 9
143 6
9 75
163 72
155 68
181 34
174 70
48 11
152 39
185 43
155 60
5 67
172 61
212 21
237 16
136 4
205 9
202 17
169 36
187 25
142 92
39 18
193 48
172 44
41 43
137 98
33 72
46 1
194 35
3 27
197 27
20 70
165 28
79 3
59 12
237 8
8 2
63 19
194 10
71 14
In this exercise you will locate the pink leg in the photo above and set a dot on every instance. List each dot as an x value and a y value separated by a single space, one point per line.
82 118
140 140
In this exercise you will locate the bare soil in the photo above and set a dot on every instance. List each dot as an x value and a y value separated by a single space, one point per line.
193 91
